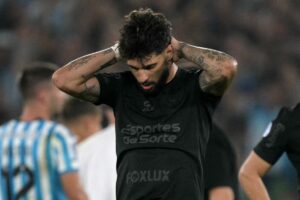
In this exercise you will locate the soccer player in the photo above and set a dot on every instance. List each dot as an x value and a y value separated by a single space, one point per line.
220 170
96 149
37 157
281 136
163 111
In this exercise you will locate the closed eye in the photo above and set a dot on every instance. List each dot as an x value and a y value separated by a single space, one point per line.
151 66
132 67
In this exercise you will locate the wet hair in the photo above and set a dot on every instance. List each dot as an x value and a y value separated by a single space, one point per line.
33 76
144 32
75 108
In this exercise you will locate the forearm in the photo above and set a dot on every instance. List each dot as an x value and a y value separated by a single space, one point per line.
221 193
77 77
204 57
254 187
81 69
219 68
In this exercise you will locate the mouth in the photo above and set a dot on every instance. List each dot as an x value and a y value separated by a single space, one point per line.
147 87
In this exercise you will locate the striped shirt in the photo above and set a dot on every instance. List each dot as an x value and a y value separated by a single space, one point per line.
33 156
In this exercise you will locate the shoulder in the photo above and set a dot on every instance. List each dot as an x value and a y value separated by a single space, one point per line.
288 116
60 131
283 124
295 115
7 123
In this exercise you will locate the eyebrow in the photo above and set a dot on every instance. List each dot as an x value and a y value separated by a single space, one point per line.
149 65
143 66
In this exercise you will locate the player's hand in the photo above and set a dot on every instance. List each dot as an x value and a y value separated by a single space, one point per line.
177 49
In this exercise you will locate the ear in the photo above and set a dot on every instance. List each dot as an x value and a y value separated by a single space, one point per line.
169 52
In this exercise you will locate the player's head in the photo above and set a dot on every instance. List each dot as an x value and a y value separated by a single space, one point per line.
36 87
74 109
145 45
82 117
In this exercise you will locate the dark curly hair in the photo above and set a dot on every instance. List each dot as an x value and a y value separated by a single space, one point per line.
143 33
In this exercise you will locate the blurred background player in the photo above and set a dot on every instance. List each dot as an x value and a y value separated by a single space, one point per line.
281 136
38 159
96 148
221 175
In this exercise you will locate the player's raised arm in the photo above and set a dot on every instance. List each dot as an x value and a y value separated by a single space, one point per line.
219 67
77 77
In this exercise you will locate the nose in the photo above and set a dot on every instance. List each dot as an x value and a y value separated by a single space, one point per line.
142 76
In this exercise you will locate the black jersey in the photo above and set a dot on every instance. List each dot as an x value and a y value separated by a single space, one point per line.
282 135
220 169
160 139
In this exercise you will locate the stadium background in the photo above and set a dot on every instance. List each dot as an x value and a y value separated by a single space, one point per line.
262 34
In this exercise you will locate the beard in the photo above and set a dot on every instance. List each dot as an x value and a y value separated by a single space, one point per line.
157 86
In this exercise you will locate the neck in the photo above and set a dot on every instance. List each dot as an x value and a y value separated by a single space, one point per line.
82 135
82 132
32 111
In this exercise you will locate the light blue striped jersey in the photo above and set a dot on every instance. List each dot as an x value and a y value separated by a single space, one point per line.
33 156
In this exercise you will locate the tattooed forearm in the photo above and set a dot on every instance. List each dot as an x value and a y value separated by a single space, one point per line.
216 55
200 55
198 59
215 82
218 67
76 64
80 62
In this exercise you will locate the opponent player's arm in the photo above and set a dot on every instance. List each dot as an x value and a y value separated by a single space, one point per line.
250 177
221 193
77 77
72 186
219 67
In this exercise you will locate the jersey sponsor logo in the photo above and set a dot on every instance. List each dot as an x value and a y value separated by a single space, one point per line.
147 107
159 133
144 176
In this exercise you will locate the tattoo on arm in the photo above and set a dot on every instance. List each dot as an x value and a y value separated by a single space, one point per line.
90 92
214 83
76 64
80 62
216 55
215 78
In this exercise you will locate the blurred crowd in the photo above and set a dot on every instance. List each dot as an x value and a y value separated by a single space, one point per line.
263 35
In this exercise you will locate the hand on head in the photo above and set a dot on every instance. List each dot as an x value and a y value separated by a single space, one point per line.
176 46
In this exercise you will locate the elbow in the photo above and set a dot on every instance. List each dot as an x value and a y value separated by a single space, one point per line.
230 68
245 175
57 79
61 81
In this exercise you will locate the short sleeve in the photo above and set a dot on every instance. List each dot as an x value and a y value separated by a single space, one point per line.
274 141
110 84
65 152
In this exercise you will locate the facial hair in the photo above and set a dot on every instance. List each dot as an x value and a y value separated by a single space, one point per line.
160 83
